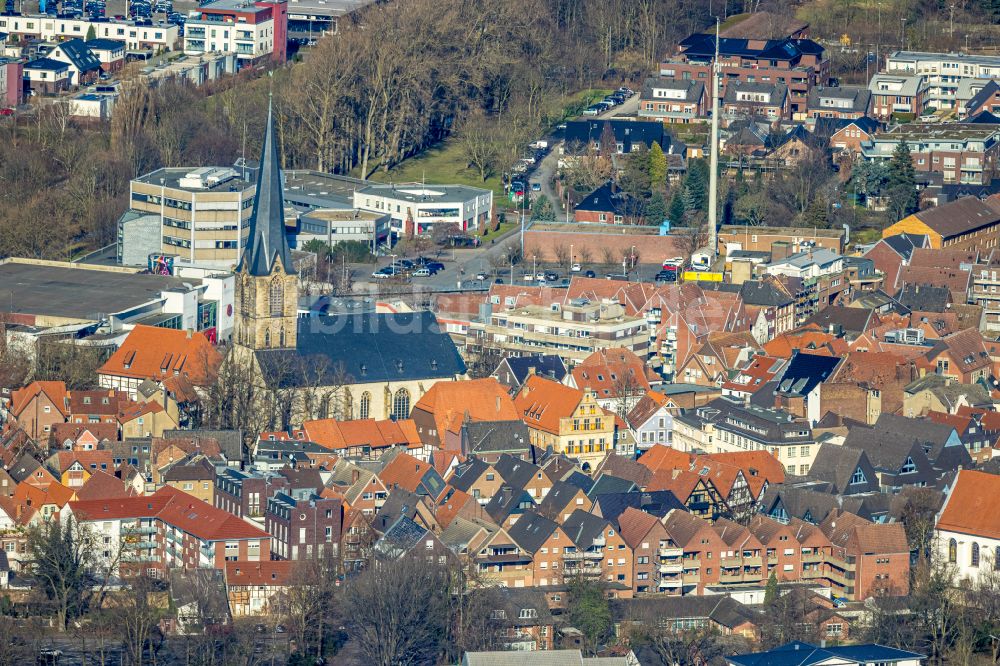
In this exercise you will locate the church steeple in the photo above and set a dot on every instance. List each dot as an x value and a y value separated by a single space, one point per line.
267 285
267 242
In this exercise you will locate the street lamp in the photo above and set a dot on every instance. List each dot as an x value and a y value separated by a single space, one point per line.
534 268
572 256
393 263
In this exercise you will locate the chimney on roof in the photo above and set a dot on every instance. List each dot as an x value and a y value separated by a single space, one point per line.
498 404
189 333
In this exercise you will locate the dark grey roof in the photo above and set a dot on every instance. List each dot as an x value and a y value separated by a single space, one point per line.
813 505
983 118
626 132
931 435
904 244
267 244
702 45
363 349
514 471
481 437
763 293
925 297
693 89
509 501
557 500
23 468
580 480
80 55
720 608
530 531
656 503
517 599
805 371
860 98
990 89
400 502
545 365
47 64
582 528
606 199
776 92
611 484
466 473
837 464
852 320
102 44
400 538
230 441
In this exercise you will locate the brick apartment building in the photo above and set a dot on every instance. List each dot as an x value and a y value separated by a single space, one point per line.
961 152
168 529
798 64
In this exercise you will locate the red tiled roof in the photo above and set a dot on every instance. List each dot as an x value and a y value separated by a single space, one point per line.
175 508
102 485
404 471
610 372
634 525
336 434
267 572
451 403
99 459
55 391
971 508
542 402
156 353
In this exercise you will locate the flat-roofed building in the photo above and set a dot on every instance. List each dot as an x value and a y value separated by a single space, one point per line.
946 74
158 36
203 213
416 208
961 152
339 225
572 331
253 31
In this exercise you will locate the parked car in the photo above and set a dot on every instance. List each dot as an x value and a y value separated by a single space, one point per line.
481 275
592 110
498 281
590 274
540 275
381 275
536 187
9 111
434 266
421 272
575 268
617 276
551 276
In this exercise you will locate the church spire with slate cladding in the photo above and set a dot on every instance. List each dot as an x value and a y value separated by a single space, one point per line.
265 279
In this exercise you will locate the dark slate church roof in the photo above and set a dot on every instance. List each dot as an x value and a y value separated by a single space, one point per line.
362 349
267 243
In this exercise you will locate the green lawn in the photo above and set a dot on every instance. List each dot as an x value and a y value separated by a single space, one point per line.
444 165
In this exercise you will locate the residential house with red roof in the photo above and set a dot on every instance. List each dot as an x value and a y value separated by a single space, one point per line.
717 358
441 411
256 589
38 407
159 354
74 468
755 373
168 529
962 356
651 421
868 559
616 376
967 531
569 420
363 439
656 559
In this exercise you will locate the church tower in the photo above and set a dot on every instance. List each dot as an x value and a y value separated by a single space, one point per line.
267 287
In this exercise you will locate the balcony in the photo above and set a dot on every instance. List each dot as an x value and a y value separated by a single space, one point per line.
692 578
753 561
197 33
772 559
692 563
671 568
812 574
670 582
839 563
142 545
731 577
812 558
141 529
594 555
572 555
731 562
